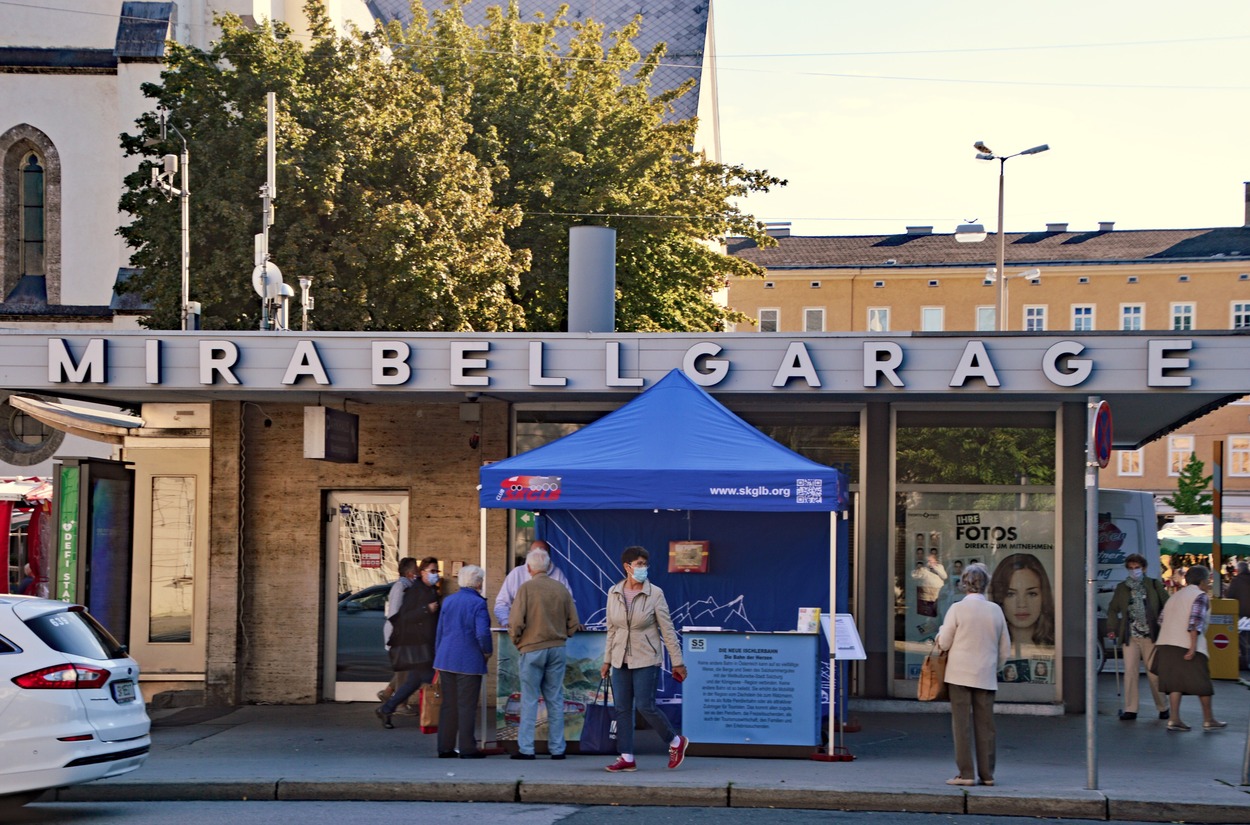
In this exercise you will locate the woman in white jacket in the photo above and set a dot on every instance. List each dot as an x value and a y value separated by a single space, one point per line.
975 635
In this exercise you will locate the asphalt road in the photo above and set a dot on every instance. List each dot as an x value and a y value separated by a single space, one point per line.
466 813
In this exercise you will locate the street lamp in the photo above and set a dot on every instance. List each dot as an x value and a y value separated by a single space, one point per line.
984 153
1031 275
164 181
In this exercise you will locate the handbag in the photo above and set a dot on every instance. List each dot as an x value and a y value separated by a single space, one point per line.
933 677
431 706
406 657
599 730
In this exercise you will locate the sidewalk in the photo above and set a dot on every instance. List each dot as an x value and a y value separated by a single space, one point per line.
341 752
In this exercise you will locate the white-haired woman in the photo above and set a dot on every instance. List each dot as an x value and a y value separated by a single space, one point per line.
1181 650
461 648
975 634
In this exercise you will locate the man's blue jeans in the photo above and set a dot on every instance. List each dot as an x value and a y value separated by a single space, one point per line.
634 688
542 674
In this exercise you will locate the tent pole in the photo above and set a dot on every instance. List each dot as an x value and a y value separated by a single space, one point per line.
833 629
487 737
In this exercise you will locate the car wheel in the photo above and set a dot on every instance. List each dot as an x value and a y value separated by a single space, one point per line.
13 801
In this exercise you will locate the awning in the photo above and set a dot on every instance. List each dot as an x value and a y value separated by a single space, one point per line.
97 425
1197 537
25 489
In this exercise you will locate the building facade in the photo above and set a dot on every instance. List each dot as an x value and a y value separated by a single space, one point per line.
1107 280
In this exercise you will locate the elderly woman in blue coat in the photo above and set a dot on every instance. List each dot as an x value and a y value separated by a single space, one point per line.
975 635
461 647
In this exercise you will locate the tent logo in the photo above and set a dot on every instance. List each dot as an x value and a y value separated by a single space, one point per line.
529 488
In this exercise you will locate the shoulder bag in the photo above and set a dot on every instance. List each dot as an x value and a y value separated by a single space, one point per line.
933 677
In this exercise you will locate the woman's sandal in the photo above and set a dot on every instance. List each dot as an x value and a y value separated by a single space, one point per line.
1214 724
1178 726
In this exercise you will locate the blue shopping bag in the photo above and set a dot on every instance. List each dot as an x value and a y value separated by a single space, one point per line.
599 732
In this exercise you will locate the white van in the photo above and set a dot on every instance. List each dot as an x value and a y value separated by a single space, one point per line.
1126 524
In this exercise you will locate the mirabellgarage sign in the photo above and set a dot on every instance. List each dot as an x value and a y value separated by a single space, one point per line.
519 364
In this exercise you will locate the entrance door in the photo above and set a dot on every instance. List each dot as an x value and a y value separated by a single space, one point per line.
366 536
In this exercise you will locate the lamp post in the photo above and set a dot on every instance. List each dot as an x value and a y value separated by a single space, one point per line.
984 153
165 183
1031 275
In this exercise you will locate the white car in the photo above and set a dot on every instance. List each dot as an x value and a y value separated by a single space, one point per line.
70 707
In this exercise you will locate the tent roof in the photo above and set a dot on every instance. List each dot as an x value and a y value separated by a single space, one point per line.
672 447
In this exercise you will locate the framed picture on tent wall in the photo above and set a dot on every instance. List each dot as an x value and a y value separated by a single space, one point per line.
688 556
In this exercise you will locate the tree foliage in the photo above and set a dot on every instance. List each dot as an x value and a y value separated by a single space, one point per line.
1191 498
564 115
377 198
976 455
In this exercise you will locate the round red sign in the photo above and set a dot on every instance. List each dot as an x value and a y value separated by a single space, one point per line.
1220 641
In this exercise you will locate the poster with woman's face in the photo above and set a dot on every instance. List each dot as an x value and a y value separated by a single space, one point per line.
1017 546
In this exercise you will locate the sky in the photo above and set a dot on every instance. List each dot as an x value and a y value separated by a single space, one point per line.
870 110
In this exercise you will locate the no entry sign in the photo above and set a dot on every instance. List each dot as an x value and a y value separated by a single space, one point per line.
1220 641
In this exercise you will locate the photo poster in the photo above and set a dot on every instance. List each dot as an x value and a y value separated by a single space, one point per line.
583 659
1018 547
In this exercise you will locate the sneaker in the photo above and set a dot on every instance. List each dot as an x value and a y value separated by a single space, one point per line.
1127 715
407 710
383 695
677 755
1179 727
621 766
525 756
1165 714
557 756
474 755
385 717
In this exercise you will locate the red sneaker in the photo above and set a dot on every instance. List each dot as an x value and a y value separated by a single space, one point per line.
677 755
620 766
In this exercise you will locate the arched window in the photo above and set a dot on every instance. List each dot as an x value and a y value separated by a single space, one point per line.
32 217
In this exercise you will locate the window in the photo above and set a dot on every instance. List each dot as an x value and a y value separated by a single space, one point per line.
1132 317
814 319
1182 316
1241 315
30 221
1084 279
1132 279
1239 455
987 319
931 319
1184 279
1083 318
815 284
1180 448
770 320
934 283
1129 463
769 285
173 559
1034 318
878 284
878 319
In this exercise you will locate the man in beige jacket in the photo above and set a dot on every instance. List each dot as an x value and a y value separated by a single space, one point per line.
543 618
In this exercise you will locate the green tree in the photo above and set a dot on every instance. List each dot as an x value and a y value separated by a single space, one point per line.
564 116
1190 497
377 198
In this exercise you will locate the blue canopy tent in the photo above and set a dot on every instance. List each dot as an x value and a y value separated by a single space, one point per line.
675 448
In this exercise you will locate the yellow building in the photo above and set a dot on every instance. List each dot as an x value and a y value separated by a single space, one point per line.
1101 280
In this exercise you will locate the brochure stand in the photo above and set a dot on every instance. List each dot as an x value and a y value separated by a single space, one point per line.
844 646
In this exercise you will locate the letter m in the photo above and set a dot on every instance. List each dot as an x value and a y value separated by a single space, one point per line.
61 366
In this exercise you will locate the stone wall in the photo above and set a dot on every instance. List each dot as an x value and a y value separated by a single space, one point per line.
275 576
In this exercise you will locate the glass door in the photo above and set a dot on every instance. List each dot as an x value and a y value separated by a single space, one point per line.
366 536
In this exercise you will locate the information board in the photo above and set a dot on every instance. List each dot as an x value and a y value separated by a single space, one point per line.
751 688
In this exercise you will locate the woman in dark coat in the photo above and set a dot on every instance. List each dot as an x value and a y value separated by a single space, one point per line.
415 626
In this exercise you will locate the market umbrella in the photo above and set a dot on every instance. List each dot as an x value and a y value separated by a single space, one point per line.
1195 538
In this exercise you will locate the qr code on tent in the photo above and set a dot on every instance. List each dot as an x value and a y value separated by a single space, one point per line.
810 490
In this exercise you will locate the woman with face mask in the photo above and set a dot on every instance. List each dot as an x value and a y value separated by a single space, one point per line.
638 620
1133 624
415 626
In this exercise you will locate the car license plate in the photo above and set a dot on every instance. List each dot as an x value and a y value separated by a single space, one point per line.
124 691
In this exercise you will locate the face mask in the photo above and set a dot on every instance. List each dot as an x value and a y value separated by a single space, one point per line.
640 574
1136 572
431 579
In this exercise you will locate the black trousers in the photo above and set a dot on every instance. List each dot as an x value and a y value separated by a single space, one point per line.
458 715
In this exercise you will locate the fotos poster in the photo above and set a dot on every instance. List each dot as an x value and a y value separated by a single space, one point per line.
1018 547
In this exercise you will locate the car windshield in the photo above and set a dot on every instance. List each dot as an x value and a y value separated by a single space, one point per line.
75 632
